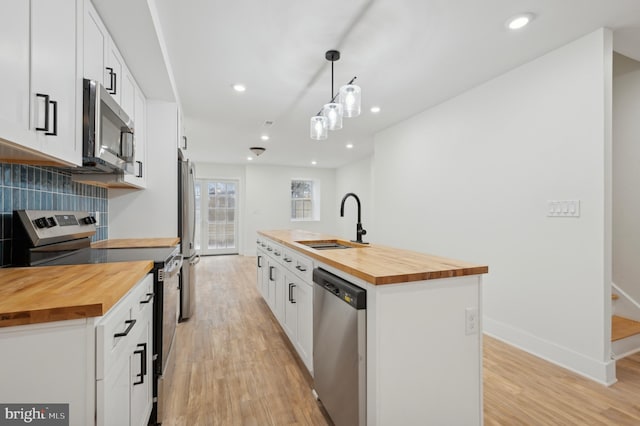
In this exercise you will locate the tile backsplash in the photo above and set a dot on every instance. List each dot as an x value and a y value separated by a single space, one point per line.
43 188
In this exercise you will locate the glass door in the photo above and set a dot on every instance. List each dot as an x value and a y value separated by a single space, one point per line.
216 216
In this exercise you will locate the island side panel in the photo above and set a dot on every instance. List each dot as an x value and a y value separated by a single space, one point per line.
422 366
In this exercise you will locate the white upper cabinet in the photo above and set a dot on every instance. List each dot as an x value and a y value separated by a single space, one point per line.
14 84
54 86
96 40
40 88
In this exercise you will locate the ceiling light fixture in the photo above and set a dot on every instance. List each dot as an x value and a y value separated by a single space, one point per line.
519 21
314 162
349 145
257 150
375 109
331 114
264 137
239 87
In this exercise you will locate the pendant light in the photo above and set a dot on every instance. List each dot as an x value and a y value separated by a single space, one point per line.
350 99
339 106
319 128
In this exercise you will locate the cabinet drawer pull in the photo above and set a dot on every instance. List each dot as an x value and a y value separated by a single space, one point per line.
259 261
301 268
291 299
46 112
55 119
130 325
140 169
143 362
277 253
269 249
148 299
287 259
271 268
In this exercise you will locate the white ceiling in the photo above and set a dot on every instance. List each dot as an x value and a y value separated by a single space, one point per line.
408 55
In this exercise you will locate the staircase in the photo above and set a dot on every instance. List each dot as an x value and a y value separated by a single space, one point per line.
625 324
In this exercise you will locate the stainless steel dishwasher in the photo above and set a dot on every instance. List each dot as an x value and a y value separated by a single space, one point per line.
339 347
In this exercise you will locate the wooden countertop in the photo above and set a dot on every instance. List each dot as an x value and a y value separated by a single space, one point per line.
137 242
54 293
374 263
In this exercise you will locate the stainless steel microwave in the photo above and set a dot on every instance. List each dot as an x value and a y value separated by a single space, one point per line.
107 132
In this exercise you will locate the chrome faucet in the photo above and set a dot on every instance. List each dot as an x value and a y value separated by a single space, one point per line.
359 230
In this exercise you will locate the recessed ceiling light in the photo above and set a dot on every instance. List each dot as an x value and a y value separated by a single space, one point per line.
264 137
239 87
314 162
349 145
519 21
375 109
250 158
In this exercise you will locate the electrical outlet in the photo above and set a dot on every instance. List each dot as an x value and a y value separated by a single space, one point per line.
563 208
471 321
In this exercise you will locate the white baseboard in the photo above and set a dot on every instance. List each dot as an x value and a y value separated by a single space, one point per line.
603 372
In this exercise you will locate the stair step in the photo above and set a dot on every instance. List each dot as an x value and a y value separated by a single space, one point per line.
623 327
614 296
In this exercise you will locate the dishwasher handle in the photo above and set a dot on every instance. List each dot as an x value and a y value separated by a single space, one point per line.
349 293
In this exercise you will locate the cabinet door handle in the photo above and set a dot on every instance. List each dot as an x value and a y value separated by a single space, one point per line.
139 174
111 88
130 325
259 262
46 112
55 119
148 299
271 268
143 362
291 299
301 268
184 138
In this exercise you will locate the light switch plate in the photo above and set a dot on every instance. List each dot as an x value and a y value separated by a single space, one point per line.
563 208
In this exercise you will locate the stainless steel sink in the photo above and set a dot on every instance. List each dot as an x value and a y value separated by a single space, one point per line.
327 246
330 244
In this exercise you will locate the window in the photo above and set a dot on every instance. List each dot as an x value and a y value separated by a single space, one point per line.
305 200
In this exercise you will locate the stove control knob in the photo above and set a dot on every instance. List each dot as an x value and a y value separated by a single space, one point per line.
41 222
51 222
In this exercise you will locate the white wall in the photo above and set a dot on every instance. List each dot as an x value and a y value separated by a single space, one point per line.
151 212
265 198
268 200
357 178
470 179
626 174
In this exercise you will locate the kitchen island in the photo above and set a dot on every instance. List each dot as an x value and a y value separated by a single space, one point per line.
423 322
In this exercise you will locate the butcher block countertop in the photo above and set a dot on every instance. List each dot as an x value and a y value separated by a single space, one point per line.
54 293
137 242
374 263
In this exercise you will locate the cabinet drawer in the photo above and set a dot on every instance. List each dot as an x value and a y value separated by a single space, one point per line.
302 266
142 296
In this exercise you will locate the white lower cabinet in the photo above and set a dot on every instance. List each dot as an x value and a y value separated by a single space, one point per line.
103 365
285 282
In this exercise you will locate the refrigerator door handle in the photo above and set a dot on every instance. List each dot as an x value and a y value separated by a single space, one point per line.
192 184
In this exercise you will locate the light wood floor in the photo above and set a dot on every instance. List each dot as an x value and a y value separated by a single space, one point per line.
234 366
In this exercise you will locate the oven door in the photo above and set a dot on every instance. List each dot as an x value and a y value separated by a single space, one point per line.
169 320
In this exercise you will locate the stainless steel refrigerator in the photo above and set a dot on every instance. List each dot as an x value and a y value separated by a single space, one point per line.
187 232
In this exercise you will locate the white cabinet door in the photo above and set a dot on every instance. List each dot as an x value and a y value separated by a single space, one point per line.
305 323
14 84
290 322
141 375
115 407
127 100
96 40
53 76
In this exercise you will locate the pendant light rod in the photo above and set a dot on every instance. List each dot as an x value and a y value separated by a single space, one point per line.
336 95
